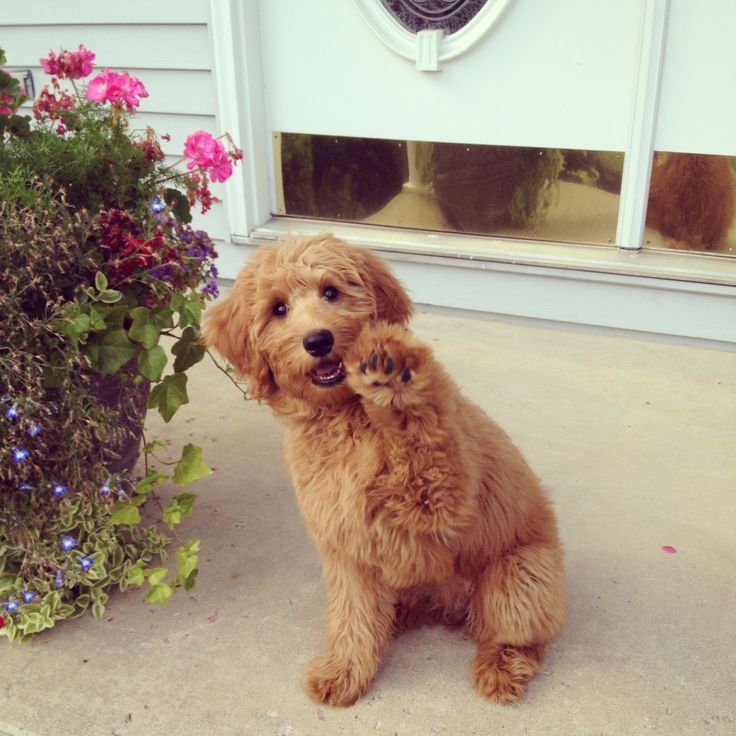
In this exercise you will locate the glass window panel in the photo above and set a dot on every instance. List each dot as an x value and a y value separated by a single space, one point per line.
532 193
420 15
692 202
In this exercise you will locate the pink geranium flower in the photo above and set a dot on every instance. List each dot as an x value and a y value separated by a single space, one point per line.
117 88
200 147
69 64
208 153
221 168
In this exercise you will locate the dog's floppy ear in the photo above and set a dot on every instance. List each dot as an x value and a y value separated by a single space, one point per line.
228 328
392 301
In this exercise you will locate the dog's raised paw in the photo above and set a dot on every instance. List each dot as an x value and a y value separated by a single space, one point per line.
389 367
381 368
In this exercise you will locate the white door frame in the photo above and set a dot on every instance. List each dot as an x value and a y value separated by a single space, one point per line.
685 296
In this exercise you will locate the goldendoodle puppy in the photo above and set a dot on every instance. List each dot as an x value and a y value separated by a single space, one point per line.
421 507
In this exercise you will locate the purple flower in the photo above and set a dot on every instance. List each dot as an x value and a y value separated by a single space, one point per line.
86 563
59 579
28 596
11 606
59 490
157 205
67 542
105 488
34 430
19 454
211 289
162 273
12 412
25 487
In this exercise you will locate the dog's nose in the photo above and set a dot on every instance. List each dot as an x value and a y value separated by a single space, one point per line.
319 343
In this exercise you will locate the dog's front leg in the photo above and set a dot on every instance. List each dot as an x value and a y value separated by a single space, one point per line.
360 617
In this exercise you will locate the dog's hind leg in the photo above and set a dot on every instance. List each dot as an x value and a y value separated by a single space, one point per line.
518 607
360 621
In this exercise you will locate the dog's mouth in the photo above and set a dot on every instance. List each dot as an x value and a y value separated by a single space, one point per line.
328 372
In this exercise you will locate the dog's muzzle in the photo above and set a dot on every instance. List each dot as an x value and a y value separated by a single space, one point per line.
329 371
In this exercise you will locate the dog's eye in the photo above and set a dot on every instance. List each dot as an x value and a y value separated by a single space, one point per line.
331 293
280 309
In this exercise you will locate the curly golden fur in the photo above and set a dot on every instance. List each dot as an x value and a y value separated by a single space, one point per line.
420 506
692 200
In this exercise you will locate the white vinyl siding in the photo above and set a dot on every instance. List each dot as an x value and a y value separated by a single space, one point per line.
167 45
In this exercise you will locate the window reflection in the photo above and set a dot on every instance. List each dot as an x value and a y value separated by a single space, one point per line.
692 202
538 193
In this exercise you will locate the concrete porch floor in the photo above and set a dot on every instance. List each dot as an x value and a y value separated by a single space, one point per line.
635 442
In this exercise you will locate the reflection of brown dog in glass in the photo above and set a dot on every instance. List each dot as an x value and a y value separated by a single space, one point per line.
421 507
692 199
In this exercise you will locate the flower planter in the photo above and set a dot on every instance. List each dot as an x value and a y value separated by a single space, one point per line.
474 184
130 402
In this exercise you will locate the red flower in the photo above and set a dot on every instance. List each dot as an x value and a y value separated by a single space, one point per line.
2 622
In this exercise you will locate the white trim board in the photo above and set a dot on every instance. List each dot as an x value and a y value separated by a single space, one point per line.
584 299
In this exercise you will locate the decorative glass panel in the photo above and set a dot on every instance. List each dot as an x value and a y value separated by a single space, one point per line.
421 15
692 203
531 193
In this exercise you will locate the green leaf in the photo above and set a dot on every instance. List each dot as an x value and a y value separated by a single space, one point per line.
99 601
191 314
178 508
190 467
153 478
143 329
179 205
172 514
100 281
153 447
110 296
177 301
187 561
159 594
115 351
151 362
162 317
169 395
34 623
140 314
155 575
125 514
144 333
19 125
97 321
135 576
188 350
98 610
80 324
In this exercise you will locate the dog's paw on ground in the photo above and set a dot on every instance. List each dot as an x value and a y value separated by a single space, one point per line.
385 366
331 681
502 673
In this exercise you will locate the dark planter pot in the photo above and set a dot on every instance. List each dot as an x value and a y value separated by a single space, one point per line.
474 184
130 403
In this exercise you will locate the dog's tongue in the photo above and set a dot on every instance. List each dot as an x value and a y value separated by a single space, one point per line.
326 368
